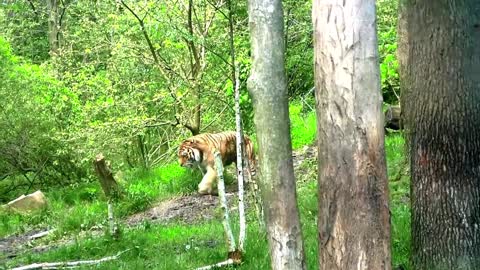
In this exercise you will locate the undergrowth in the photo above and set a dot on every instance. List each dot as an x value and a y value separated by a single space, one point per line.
75 210
78 207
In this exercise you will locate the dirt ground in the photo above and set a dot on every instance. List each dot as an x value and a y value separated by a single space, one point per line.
186 209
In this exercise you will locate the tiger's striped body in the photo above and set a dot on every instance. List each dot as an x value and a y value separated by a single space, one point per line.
197 151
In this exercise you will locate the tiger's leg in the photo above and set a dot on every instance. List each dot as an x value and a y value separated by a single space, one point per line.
208 181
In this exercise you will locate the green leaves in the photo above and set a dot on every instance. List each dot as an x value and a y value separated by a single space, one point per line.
34 112
387 44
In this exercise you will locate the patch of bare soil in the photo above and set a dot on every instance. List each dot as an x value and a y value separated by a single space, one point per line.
187 209
194 208
10 246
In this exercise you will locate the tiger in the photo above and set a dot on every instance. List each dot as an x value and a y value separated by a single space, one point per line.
197 151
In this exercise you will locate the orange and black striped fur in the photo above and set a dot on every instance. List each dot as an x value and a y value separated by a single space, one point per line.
197 151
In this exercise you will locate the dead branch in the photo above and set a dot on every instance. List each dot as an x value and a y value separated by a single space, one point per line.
239 134
240 167
223 202
41 234
111 220
234 255
217 265
57 265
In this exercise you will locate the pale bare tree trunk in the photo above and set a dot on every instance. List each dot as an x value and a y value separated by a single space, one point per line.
53 25
402 52
354 220
195 70
224 205
267 85
442 112
239 142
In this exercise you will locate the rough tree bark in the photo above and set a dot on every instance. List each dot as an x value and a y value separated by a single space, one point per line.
267 85
354 219
108 183
443 126
402 50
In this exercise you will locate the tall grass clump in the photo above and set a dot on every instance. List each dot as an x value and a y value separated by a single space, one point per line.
303 125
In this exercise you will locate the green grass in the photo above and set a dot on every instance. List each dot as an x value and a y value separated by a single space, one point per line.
180 246
303 126
75 209
399 186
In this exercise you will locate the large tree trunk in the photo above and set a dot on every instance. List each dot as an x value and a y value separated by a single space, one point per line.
354 220
443 124
267 85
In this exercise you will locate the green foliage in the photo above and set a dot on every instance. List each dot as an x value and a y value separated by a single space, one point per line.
35 110
401 239
308 206
387 44
26 29
173 245
299 47
78 206
104 92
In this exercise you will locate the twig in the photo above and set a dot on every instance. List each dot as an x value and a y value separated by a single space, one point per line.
56 265
220 264
41 234
111 220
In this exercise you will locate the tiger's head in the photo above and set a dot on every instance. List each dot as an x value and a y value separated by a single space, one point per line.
188 155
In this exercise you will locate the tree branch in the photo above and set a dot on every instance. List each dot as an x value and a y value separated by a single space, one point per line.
217 265
56 265
144 31
33 7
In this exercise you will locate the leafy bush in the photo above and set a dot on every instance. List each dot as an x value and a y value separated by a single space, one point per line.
36 109
387 44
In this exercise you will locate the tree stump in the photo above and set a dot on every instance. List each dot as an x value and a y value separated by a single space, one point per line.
110 188
107 181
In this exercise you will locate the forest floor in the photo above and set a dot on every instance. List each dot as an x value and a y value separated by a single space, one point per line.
186 209
180 229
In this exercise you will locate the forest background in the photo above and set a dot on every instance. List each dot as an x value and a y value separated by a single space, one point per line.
131 79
